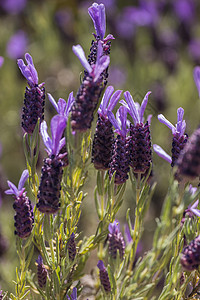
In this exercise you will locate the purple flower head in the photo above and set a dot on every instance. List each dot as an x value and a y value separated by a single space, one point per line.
62 107
114 228
13 6
100 265
17 45
17 191
179 128
98 16
73 294
108 101
184 9
54 145
1 61
101 64
196 75
28 71
39 260
120 122
160 152
135 110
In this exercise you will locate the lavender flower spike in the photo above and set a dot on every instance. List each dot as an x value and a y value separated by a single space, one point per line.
120 158
62 107
52 170
41 272
178 131
196 75
22 205
34 99
54 145
104 136
160 152
115 240
104 278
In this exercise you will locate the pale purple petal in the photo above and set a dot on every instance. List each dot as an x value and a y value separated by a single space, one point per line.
98 16
163 120
74 294
123 118
1 61
105 100
195 204
180 113
29 71
195 211
29 59
70 101
196 75
149 119
23 179
61 144
53 102
13 189
113 120
192 189
160 152
133 108
109 37
58 124
143 105
114 227
114 99
78 51
46 139
101 66
62 106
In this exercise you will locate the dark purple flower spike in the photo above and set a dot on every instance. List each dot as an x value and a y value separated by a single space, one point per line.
189 159
24 215
98 16
73 295
115 240
90 90
178 131
104 278
140 138
71 247
52 170
34 96
120 158
41 272
190 259
103 141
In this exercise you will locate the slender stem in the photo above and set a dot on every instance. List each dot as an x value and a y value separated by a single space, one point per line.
136 226
103 194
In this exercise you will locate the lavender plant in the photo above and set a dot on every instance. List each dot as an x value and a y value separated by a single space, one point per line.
121 156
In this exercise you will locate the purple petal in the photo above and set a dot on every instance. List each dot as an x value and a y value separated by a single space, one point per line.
58 124
195 204
149 119
62 106
23 179
113 120
180 123
123 118
109 37
46 139
192 189
13 189
29 71
74 294
78 51
105 100
143 105
101 66
70 101
196 75
195 211
1 61
98 16
132 106
163 120
114 99
114 227
39 260
53 102
160 152
61 144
